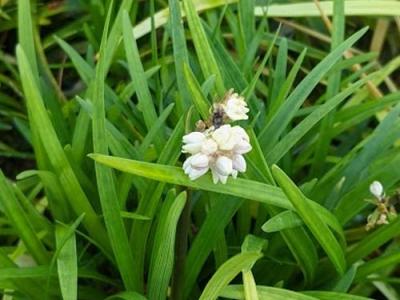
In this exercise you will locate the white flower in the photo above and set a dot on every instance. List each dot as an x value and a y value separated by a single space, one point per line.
235 107
376 189
209 146
196 165
194 142
224 137
220 150
239 163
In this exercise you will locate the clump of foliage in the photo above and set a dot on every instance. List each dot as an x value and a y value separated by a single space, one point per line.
95 97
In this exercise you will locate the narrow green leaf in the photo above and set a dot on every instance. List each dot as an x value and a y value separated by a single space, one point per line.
131 215
264 292
291 138
257 159
25 33
243 188
56 155
204 52
67 264
279 74
227 272
252 85
251 244
28 286
344 282
150 200
199 100
137 74
375 145
162 255
249 286
322 295
206 239
309 9
287 85
319 229
57 198
353 115
284 220
153 132
25 38
105 180
373 241
127 296
114 36
376 265
246 19
20 222
294 10
334 81
270 134
180 51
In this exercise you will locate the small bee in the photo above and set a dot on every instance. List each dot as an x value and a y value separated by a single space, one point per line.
218 116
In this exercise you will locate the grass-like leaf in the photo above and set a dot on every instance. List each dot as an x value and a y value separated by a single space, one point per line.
20 222
67 264
204 52
105 180
163 248
274 128
76 195
227 272
313 221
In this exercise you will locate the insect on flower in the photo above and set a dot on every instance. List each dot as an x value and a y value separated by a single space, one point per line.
220 147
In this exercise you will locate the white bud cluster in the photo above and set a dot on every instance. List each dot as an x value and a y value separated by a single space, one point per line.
235 107
219 148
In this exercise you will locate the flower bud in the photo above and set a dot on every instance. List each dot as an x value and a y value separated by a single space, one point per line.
199 161
209 146
376 189
239 163
194 142
224 165
196 166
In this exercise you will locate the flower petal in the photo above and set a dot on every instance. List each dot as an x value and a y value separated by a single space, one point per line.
240 133
239 163
242 147
223 179
215 175
199 160
196 173
221 134
234 174
194 137
209 146
192 148
223 165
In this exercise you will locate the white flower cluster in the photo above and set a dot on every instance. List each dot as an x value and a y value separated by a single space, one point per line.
235 107
219 148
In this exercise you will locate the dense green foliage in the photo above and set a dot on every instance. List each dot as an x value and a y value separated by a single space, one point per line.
95 97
